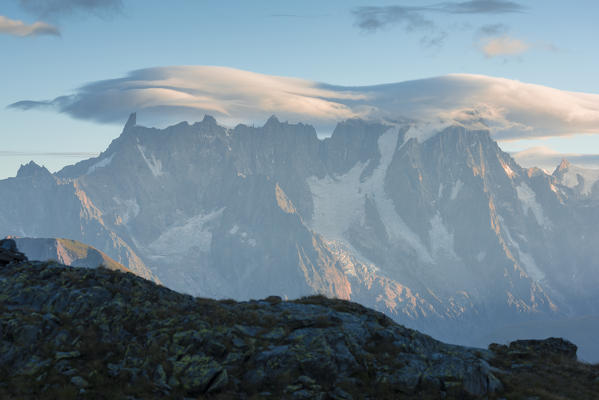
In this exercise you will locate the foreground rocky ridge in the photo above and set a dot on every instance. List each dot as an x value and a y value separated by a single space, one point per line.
95 333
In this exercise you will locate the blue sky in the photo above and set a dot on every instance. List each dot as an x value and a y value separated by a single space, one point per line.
550 43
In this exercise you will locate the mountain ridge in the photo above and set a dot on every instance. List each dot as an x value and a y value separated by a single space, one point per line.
374 213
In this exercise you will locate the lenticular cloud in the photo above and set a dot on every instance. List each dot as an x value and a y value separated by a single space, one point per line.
510 109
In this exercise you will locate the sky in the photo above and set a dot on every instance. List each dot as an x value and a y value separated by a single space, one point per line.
54 48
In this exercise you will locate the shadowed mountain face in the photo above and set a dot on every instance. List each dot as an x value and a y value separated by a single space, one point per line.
441 230
39 204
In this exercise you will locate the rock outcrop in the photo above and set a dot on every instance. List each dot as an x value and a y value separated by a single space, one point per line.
104 334
9 252
94 333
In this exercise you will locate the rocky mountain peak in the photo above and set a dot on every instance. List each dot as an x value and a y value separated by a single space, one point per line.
272 121
32 169
564 165
131 121
209 120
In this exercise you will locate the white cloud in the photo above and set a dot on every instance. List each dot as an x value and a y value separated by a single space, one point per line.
19 28
232 95
510 109
504 46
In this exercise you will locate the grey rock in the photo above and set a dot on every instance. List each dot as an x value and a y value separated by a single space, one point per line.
79 382
160 376
219 382
169 344
340 394
66 355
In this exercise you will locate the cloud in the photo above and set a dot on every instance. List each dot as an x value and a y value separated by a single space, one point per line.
509 109
492 30
58 8
371 19
504 46
549 159
303 16
480 7
374 18
412 17
19 28
190 92
416 18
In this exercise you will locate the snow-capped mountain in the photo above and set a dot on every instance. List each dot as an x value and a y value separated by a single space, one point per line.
582 181
433 225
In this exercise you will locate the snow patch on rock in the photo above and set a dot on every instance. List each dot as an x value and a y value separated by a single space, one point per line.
152 162
531 266
571 178
423 131
528 200
100 164
456 189
441 240
179 239
339 201
243 236
526 260
128 209
481 256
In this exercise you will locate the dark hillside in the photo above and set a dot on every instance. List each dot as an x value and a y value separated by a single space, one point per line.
94 333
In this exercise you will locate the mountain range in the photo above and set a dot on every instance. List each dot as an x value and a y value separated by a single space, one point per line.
435 226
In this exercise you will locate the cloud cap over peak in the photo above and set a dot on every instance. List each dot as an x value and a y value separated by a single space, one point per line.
509 109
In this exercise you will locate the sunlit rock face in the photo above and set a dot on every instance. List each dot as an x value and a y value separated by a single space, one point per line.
435 226
66 251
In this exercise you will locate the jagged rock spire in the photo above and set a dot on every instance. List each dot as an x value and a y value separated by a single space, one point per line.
564 164
131 121
209 119
272 120
32 169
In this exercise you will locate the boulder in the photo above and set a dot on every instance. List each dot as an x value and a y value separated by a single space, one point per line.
9 252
